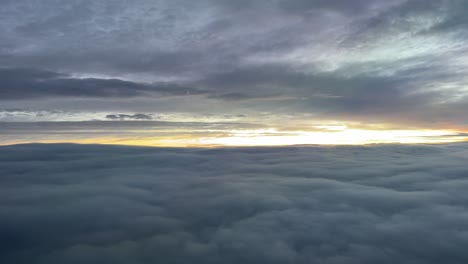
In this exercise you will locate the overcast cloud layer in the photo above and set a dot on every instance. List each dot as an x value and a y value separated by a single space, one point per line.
399 63
106 204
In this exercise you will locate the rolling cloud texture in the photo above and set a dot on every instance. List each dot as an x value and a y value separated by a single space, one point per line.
107 204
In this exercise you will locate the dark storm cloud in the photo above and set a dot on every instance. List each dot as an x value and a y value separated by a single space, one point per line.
103 204
159 38
170 37
451 11
322 93
358 57
299 6
164 37
30 83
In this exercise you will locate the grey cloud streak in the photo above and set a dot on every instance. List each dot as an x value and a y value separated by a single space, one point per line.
108 204
126 116
30 83
112 125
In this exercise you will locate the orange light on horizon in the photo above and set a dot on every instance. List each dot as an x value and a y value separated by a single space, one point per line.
337 137
270 137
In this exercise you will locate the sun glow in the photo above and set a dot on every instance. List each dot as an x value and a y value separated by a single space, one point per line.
321 135
272 137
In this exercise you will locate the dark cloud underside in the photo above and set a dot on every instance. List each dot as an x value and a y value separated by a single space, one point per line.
30 84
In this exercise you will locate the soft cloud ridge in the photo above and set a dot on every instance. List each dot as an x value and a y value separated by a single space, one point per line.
112 204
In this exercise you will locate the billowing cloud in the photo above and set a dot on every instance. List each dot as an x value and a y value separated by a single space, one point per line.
108 204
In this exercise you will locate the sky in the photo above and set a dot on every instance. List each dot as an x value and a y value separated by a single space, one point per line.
233 73
100 204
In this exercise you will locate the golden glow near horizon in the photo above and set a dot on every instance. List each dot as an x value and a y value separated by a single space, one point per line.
331 135
339 137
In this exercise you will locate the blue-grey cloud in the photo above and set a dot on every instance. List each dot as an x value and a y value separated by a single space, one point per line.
337 60
106 204
30 83
126 116
120 125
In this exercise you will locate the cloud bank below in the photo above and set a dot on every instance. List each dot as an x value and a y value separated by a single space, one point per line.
109 204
